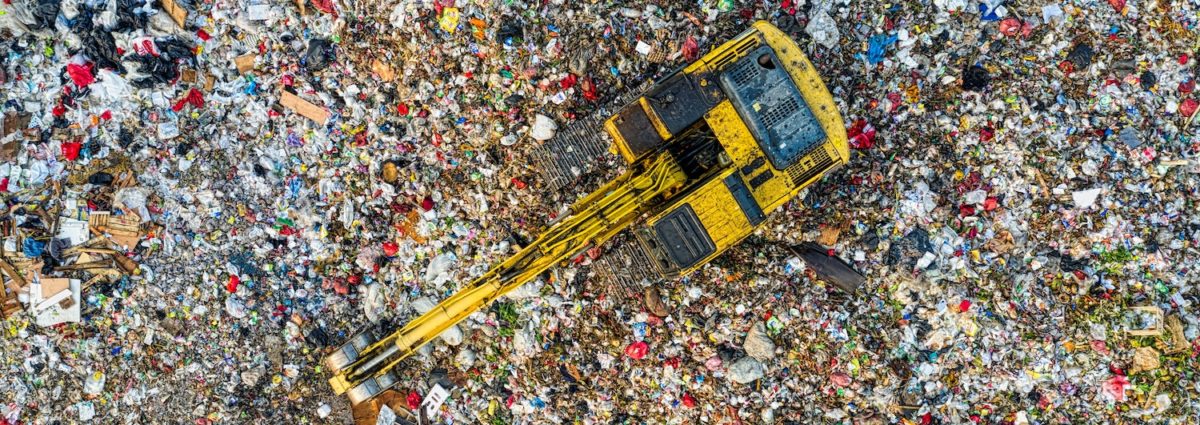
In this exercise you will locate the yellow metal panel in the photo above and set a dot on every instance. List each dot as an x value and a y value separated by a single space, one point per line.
655 119
732 132
718 212
619 145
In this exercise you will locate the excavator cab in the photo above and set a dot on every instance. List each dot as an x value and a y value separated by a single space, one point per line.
751 123
711 150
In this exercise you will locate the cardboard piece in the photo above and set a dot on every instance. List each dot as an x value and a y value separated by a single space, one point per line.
1156 326
304 107
177 13
55 312
14 121
383 70
52 286
303 8
245 63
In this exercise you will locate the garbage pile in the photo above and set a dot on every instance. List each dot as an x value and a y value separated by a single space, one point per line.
203 198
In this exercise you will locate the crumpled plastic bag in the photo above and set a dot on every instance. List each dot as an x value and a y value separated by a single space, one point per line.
440 269
823 29
637 350
44 13
374 303
543 128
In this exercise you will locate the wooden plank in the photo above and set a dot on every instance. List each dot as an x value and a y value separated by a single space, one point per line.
178 14
304 107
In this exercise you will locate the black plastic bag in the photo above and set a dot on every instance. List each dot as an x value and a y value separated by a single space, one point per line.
101 179
45 12
127 18
975 78
99 45
174 48
320 54
1081 56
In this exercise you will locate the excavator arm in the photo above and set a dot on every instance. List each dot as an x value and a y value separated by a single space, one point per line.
363 366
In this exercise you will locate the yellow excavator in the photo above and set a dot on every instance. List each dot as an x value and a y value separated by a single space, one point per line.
710 151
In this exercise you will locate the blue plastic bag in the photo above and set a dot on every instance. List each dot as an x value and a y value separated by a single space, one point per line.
878 45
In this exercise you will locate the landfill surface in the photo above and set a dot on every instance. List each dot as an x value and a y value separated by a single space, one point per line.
202 199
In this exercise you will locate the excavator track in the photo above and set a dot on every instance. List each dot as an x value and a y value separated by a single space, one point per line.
581 148
625 266
572 153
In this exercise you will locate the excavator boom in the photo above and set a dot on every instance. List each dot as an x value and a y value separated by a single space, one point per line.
363 373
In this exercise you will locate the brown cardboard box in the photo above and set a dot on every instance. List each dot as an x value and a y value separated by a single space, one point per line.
245 63
304 107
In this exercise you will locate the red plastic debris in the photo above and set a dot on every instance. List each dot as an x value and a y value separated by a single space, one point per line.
232 285
862 135
390 248
691 50
589 89
427 203
964 305
414 400
1115 387
402 109
70 150
203 35
1118 5
1010 27
1188 107
688 400
194 98
637 350
986 134
568 81
81 75
325 6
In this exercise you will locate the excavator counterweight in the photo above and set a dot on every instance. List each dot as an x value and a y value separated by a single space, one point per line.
710 151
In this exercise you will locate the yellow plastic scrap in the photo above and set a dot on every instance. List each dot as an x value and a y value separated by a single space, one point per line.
449 20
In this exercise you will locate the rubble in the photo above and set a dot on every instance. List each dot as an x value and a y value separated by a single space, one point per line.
203 198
